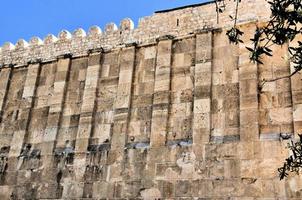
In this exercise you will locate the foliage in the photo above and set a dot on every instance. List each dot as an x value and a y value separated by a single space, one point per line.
234 35
284 26
294 162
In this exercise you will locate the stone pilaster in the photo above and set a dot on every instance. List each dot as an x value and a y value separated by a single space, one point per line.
122 112
162 89
57 93
248 85
88 105
225 91
56 106
25 109
5 75
181 91
87 113
275 102
141 104
202 93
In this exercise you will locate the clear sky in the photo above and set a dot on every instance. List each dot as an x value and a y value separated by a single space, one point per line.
27 18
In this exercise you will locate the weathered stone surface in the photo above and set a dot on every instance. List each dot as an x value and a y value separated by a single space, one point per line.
162 111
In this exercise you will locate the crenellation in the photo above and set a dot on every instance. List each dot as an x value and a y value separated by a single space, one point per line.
21 44
177 22
35 41
64 35
110 28
50 38
8 46
94 31
126 25
79 33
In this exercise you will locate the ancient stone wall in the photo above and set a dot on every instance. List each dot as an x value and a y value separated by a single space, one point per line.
179 22
170 110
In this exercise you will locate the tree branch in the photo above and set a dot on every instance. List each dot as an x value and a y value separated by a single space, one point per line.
278 78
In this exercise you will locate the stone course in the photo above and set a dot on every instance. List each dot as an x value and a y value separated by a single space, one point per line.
167 110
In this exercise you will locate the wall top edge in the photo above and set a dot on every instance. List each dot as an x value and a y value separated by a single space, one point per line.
177 22
186 6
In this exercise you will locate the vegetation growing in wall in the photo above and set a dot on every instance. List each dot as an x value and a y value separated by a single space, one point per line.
294 162
284 26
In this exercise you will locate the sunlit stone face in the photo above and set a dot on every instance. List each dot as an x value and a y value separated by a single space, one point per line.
167 110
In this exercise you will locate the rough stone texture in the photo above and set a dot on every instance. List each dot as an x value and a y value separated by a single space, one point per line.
164 111
179 22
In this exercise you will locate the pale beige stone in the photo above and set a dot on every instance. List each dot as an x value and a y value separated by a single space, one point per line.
166 111
202 106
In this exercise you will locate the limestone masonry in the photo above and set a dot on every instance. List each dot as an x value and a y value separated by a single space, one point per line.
167 110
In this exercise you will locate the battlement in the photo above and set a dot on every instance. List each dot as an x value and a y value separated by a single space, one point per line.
177 22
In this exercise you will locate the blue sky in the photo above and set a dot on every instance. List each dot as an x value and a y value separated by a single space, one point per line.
27 18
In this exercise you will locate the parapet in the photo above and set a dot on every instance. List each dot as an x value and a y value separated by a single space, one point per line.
177 22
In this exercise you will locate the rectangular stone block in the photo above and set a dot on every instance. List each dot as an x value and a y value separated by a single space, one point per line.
203 47
16 144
